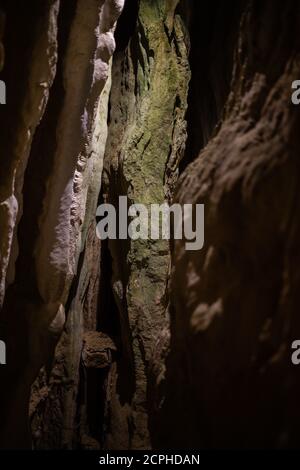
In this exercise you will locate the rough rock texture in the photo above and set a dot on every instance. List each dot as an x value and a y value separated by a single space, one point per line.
97 350
28 110
137 344
146 140
235 304
57 111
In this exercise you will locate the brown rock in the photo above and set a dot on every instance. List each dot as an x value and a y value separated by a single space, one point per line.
97 350
230 376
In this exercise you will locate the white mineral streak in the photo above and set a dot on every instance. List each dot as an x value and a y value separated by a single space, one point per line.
8 212
74 185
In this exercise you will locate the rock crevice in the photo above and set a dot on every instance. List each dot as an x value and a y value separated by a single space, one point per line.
122 344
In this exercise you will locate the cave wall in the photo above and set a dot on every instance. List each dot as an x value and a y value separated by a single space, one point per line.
125 283
121 344
235 303
147 134
73 296
52 146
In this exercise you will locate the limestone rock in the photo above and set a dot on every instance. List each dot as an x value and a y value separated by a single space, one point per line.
235 303
123 344
146 141
52 149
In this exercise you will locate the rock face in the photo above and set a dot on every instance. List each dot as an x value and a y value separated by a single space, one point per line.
56 129
121 344
146 141
235 303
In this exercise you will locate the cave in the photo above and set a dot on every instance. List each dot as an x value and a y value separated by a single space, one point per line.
128 343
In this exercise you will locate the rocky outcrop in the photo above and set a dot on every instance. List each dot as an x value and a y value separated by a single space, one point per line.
145 144
235 303
29 108
57 111
121 287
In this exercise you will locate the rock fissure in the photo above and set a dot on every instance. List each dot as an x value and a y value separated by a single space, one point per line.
122 344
